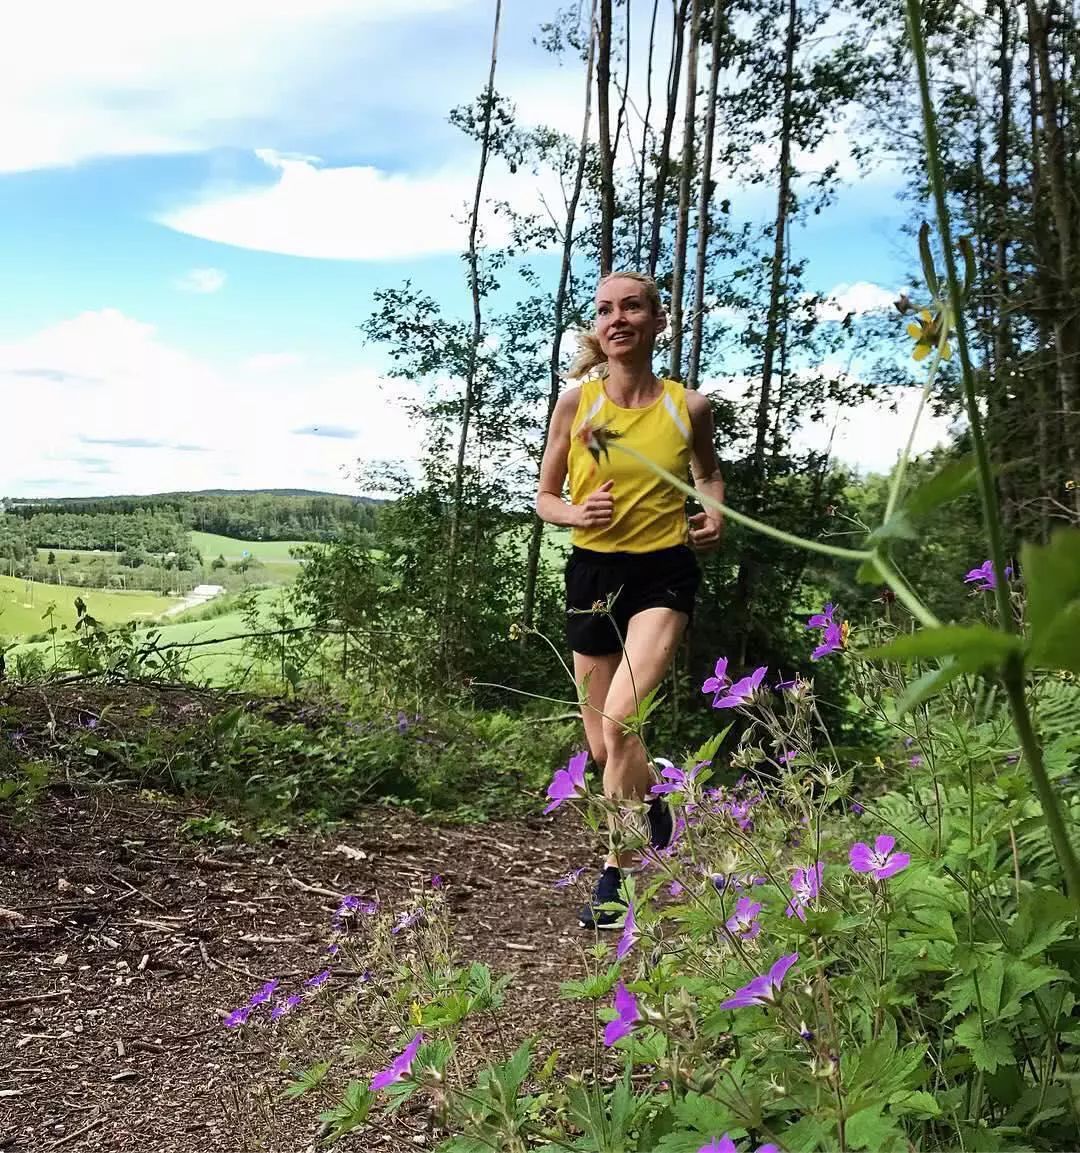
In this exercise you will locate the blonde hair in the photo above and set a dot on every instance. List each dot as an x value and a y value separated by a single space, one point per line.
590 356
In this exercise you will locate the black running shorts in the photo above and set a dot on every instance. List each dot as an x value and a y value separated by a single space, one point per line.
667 578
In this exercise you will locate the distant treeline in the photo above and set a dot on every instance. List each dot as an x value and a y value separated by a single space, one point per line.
159 523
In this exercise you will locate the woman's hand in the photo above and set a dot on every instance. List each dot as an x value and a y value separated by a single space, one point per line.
706 530
598 507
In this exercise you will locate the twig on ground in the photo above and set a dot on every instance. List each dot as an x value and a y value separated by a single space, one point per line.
78 1133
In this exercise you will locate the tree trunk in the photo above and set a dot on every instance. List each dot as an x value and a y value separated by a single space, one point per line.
607 160
1042 396
558 322
999 404
1066 330
783 205
645 126
663 162
719 18
474 345
744 582
686 178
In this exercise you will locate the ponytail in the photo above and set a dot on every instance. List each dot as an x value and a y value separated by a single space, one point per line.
589 356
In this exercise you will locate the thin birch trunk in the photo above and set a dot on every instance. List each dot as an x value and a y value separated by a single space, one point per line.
645 128
693 376
686 175
783 205
1066 331
607 160
558 320
1002 336
663 164
474 345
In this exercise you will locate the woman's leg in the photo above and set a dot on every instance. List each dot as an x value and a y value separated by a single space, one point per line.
596 673
652 637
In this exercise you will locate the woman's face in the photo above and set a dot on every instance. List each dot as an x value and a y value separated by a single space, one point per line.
626 325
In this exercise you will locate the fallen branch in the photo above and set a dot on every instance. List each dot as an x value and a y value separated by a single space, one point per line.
30 998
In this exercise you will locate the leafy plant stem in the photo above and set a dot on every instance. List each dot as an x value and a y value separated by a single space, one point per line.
741 517
1029 743
987 491
904 594
905 457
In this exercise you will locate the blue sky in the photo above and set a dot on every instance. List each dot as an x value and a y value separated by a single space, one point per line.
196 206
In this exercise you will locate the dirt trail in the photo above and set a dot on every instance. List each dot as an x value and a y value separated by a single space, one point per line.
121 943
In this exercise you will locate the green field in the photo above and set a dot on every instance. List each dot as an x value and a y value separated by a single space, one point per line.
211 546
22 604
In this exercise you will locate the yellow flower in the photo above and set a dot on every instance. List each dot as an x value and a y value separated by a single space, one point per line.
1070 485
926 332
416 1014
879 763
845 630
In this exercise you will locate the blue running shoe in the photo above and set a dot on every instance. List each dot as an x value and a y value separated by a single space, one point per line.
607 892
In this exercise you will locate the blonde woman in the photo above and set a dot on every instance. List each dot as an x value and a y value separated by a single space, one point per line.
630 536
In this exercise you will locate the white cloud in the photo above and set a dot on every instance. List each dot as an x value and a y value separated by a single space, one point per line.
858 298
127 77
129 412
868 437
356 212
202 280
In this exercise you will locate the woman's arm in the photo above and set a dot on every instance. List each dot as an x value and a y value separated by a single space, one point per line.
706 528
550 506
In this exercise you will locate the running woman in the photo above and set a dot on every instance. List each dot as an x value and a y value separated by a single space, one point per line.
631 539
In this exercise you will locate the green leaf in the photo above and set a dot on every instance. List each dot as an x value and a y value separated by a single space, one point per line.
917 1102
989 1052
1052 577
898 527
352 1111
955 479
974 642
870 1129
927 257
711 747
929 684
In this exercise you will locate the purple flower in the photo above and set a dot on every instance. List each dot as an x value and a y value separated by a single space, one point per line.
788 757
805 885
742 691
568 783
333 950
715 684
263 995
787 686
880 862
675 779
857 809
676 888
915 761
823 619
627 1012
402 722
984 577
629 934
286 1006
353 904
723 1145
764 989
832 641
238 1017
399 1068
570 878
407 920
318 980
437 882
744 923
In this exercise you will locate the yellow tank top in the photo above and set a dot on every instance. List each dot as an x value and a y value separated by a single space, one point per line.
649 513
